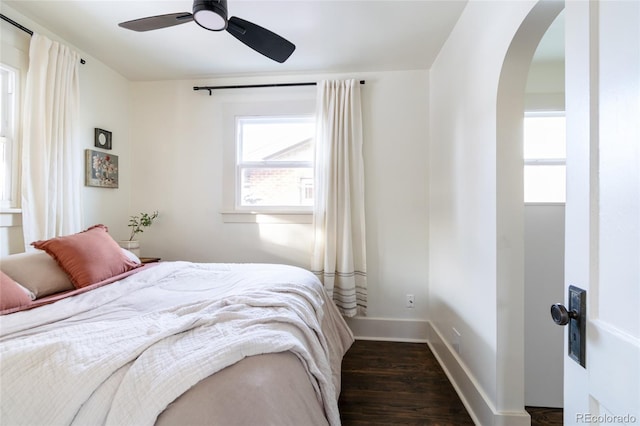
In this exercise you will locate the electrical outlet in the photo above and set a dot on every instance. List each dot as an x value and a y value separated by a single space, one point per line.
410 301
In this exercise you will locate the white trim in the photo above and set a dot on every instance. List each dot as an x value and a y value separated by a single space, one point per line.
10 218
475 399
241 165
266 217
545 162
545 113
387 329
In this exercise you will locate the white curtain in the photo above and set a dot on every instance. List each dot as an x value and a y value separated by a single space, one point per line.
339 255
51 160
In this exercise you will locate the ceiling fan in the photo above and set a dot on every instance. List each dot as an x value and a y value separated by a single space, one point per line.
212 15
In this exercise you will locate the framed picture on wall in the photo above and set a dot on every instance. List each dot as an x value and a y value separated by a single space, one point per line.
102 138
101 169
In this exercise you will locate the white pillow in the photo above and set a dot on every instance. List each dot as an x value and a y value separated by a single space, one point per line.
26 290
37 272
131 256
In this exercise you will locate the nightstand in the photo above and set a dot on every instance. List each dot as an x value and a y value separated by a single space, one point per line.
149 259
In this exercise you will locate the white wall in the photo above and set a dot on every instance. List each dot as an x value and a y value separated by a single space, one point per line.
462 201
178 138
544 90
475 206
544 285
104 103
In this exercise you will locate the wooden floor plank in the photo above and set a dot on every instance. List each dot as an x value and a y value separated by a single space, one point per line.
391 383
541 416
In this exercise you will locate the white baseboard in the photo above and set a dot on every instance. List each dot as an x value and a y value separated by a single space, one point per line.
385 329
475 399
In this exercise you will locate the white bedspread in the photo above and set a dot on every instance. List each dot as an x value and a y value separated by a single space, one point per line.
120 354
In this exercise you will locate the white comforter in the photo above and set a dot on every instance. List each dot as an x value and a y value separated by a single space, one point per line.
121 353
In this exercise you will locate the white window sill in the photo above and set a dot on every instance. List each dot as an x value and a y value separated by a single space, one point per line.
267 217
10 217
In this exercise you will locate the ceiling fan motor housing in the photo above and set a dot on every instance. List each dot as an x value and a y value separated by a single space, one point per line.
210 14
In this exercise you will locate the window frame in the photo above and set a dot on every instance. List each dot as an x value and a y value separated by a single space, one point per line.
265 164
9 151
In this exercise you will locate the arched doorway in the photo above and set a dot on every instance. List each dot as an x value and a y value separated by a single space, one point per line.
509 176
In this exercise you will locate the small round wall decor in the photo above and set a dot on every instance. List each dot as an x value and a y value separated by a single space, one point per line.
102 138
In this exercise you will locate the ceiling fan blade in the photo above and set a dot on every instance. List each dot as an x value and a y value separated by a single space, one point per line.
157 22
260 39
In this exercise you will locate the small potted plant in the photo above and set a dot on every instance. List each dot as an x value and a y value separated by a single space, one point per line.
137 224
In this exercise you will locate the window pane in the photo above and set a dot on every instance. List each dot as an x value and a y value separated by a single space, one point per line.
544 184
275 161
544 138
276 187
8 187
4 99
276 138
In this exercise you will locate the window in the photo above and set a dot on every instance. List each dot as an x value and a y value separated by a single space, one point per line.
544 158
274 162
8 151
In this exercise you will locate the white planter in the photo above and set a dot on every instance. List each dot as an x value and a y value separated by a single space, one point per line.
132 246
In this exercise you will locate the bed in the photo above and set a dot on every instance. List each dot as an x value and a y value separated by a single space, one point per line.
167 343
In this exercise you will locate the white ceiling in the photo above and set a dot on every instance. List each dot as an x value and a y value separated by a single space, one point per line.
330 35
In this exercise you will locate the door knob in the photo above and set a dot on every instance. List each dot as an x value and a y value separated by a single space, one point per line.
561 315
576 317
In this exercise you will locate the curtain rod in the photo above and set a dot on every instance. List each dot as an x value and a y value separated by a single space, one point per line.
251 86
25 29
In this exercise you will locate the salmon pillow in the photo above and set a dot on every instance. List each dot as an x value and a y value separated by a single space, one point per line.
11 294
89 256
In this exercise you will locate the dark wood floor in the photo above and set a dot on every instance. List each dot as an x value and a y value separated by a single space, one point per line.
541 416
387 383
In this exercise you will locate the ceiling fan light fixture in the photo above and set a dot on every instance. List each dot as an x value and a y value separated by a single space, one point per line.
210 15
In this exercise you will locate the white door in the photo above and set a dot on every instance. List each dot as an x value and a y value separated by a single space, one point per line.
603 207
